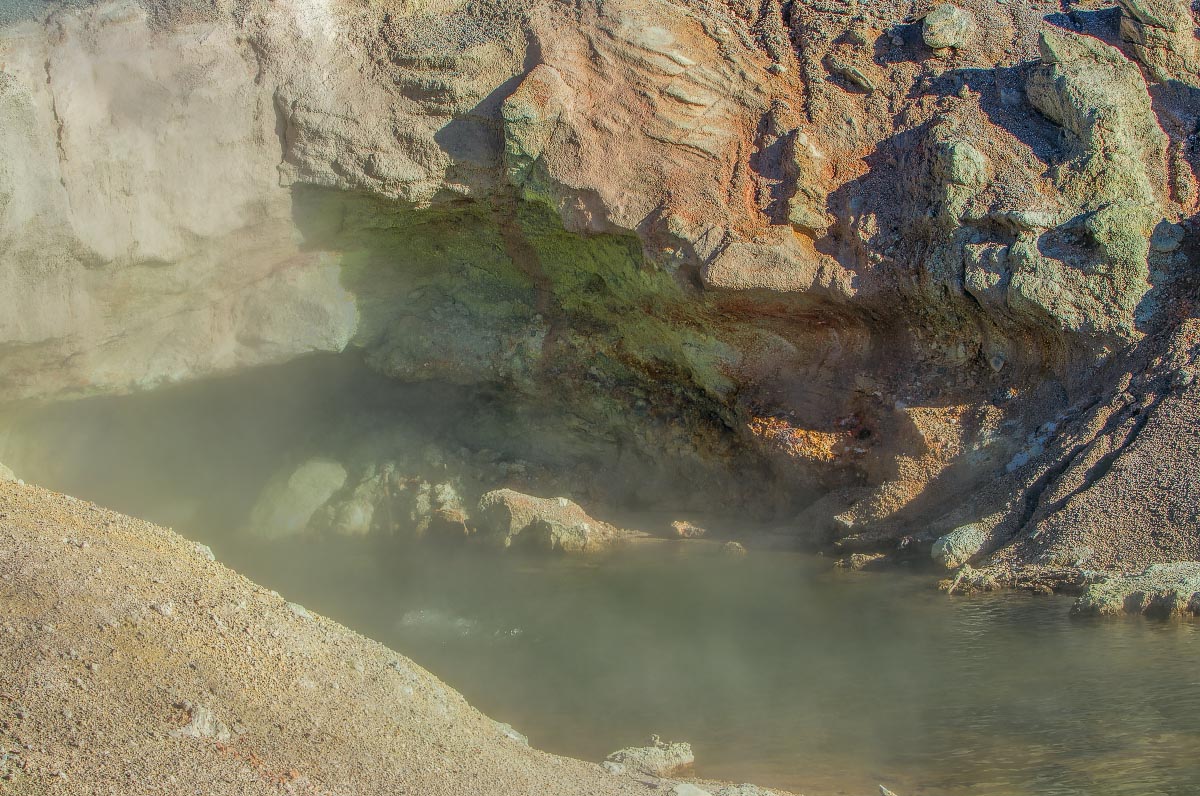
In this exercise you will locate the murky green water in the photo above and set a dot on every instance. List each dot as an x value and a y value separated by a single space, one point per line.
777 669
780 671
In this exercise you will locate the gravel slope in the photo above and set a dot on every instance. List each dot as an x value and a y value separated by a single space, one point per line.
130 662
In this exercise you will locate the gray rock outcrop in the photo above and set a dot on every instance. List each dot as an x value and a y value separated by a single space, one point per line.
960 546
948 26
1159 590
509 518
1162 35
660 759
293 496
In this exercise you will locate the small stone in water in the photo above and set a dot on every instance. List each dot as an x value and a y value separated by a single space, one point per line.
733 548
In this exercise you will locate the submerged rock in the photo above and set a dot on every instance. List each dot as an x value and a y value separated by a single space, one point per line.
960 545
860 561
686 530
660 759
508 517
970 581
292 497
1160 590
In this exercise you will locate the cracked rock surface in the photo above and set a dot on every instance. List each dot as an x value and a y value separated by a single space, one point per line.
830 278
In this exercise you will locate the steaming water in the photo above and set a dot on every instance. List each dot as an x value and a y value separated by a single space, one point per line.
775 668
782 672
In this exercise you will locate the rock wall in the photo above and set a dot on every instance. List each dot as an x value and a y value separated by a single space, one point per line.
903 274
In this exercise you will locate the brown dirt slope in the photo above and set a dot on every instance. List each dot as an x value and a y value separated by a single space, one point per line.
132 663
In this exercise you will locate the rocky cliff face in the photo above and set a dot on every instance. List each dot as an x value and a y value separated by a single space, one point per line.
892 273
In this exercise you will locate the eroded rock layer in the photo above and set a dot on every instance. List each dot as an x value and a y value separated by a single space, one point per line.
865 275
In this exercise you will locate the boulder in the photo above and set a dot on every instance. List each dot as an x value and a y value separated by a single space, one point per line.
961 163
354 515
686 530
1162 36
807 169
508 517
1100 98
533 115
960 545
660 759
1167 237
1159 590
292 496
948 26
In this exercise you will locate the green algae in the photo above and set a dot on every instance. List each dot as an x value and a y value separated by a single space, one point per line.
474 293
615 305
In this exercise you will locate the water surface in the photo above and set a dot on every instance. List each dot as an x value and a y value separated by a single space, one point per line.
776 668
780 671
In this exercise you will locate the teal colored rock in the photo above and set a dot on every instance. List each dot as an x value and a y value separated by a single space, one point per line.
1162 36
1098 96
961 163
948 26
1159 590
960 545
660 759
1113 144
292 496
1167 237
